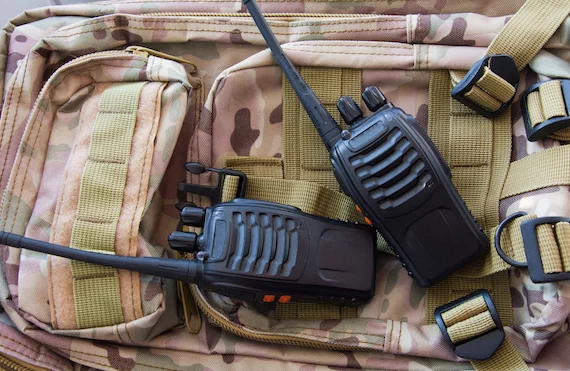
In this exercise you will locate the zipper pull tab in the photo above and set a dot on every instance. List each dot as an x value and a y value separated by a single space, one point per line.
145 52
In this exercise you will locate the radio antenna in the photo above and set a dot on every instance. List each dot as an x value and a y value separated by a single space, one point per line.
182 270
328 128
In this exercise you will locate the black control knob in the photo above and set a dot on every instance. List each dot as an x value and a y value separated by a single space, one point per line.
373 98
348 109
193 216
183 241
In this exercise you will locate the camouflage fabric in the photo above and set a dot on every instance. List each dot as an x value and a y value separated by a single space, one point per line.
237 110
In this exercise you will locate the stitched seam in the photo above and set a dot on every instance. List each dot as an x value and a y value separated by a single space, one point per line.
236 22
351 53
12 129
314 328
58 212
360 30
68 72
10 91
357 44
36 351
132 227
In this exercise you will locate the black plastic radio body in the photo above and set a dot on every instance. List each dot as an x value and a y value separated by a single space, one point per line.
393 171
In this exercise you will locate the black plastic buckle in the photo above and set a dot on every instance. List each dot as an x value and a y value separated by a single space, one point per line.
531 249
551 125
483 346
533 258
213 192
502 65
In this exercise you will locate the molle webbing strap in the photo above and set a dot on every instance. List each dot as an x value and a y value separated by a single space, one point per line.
477 150
313 311
529 29
310 197
305 156
521 38
526 32
543 169
455 287
95 288
471 319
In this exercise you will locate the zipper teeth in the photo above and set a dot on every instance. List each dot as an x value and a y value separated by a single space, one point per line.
267 15
219 320
9 365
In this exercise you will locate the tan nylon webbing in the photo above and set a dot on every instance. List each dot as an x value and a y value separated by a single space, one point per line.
496 86
462 326
96 289
522 38
543 169
477 150
529 29
471 327
305 156
546 103
464 311
506 357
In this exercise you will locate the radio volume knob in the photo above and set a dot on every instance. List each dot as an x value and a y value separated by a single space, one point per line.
182 241
373 98
349 110
193 216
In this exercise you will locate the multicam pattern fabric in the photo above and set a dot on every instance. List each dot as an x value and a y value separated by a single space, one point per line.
237 110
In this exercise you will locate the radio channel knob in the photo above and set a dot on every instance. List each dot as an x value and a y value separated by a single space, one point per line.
182 241
373 98
349 110
193 216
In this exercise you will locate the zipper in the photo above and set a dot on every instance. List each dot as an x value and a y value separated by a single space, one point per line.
267 15
145 52
221 321
11 364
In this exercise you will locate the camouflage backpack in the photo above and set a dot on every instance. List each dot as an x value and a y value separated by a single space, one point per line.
119 95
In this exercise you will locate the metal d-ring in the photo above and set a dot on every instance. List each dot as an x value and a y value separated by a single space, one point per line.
500 251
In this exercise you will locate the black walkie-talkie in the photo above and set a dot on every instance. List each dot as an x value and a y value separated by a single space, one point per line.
255 251
393 171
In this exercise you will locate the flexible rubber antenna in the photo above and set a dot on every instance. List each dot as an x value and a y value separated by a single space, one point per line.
328 128
179 269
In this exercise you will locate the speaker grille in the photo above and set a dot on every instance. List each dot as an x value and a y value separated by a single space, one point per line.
392 172
264 244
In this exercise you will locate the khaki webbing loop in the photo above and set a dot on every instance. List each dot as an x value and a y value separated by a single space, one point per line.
305 156
310 197
471 319
265 167
529 29
96 290
526 32
546 103
543 169
477 150
491 91
455 287
554 247
313 311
